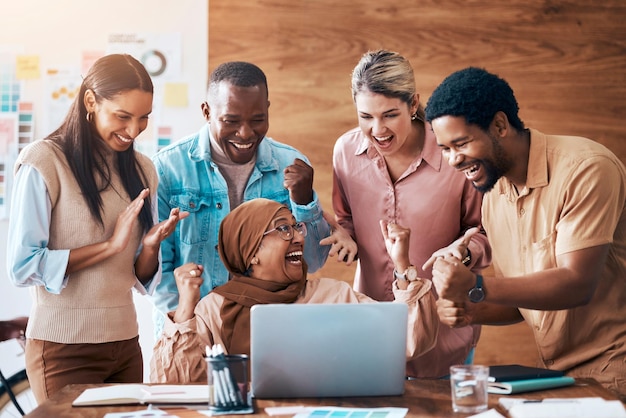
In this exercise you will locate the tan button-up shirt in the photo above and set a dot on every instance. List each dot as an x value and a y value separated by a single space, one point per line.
573 199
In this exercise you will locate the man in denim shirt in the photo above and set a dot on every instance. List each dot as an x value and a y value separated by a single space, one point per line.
227 162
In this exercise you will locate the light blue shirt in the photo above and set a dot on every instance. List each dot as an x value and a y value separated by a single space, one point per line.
190 180
29 260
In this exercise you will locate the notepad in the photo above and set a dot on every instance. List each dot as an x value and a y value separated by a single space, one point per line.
529 385
132 394
508 372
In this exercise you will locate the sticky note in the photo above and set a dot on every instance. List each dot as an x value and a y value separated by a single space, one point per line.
27 67
175 95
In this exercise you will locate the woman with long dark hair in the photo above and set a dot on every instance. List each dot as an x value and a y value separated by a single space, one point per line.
82 233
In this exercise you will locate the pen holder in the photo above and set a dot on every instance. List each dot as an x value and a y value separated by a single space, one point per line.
228 382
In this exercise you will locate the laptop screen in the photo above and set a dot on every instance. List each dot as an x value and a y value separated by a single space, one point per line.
314 350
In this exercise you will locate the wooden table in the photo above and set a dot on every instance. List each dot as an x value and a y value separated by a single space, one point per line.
423 398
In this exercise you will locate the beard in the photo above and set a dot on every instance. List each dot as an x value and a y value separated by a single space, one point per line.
495 168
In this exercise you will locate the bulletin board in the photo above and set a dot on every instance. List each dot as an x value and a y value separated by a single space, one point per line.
39 80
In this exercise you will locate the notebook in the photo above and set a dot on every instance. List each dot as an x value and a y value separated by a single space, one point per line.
508 372
334 350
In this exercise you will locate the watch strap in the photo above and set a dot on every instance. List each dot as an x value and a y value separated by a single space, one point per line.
479 281
477 293
406 275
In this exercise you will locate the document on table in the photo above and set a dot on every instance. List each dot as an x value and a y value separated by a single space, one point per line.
337 412
141 414
563 407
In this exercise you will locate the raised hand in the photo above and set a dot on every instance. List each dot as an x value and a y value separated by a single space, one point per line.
452 280
453 314
457 249
188 281
163 229
397 243
299 182
342 244
125 222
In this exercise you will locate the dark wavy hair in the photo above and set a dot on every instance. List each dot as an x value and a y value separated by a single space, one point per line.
237 73
108 77
475 94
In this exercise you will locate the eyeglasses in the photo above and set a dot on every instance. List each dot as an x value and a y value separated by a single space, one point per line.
285 231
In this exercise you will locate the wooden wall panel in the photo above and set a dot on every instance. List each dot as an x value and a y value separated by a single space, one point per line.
566 61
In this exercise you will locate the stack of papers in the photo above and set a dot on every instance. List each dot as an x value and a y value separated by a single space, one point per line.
563 408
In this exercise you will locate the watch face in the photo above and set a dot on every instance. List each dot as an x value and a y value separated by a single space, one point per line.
411 274
476 294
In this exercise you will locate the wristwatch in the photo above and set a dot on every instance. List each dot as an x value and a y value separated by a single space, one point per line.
477 293
409 274
468 259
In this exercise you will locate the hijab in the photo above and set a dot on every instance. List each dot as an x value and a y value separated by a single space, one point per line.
240 236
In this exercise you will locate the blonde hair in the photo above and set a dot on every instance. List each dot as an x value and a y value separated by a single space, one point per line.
387 73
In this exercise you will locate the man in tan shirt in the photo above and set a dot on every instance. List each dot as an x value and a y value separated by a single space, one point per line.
554 214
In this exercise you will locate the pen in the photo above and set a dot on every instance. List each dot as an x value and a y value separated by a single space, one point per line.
219 393
550 401
224 383
226 376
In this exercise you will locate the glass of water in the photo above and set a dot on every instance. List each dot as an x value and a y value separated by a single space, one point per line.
468 383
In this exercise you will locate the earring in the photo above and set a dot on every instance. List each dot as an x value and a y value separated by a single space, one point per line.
414 116
254 261
89 117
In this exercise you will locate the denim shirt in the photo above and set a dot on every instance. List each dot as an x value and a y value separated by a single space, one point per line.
190 180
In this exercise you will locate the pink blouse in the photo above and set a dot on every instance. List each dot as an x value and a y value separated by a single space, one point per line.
431 198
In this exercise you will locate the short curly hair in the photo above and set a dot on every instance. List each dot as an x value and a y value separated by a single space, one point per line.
475 94
237 73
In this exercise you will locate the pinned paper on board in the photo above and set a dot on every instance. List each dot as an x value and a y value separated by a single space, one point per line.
164 134
88 58
175 95
62 86
27 67
160 53
9 127
26 128
10 86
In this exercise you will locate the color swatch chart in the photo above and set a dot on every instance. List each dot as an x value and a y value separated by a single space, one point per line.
337 412
9 86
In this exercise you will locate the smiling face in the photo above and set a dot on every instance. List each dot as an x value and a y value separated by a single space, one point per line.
385 121
475 152
120 120
238 119
280 260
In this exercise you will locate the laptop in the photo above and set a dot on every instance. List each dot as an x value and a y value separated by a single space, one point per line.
328 350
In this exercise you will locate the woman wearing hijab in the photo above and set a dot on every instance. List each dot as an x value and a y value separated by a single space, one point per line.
261 245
